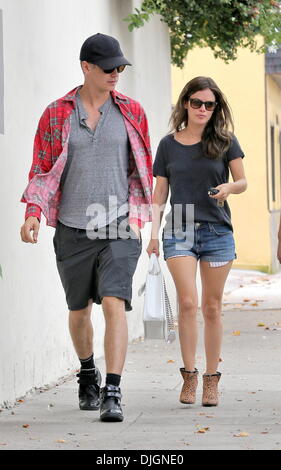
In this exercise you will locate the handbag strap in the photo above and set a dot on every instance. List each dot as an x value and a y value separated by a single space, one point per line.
154 266
153 269
169 316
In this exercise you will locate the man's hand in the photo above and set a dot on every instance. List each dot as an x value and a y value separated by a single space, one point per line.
136 230
31 224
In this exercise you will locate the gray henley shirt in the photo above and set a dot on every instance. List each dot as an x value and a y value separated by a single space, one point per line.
96 171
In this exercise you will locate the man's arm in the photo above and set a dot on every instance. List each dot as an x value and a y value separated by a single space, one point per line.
145 133
136 190
41 163
42 158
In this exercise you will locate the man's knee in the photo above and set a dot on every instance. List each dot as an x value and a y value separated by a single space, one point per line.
112 301
113 306
80 316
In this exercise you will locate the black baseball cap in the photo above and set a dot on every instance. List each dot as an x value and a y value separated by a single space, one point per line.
103 51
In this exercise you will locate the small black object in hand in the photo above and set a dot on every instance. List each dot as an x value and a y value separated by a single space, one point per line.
213 191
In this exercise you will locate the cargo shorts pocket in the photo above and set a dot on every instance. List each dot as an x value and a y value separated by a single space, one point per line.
64 241
126 248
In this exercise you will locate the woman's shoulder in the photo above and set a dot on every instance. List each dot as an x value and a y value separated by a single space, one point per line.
234 150
232 136
164 146
167 139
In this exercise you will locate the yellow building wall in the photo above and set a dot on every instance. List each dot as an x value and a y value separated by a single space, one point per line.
273 93
243 83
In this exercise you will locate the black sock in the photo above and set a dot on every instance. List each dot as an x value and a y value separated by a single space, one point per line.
87 365
113 379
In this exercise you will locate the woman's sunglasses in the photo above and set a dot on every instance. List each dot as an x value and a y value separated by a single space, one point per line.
119 69
195 103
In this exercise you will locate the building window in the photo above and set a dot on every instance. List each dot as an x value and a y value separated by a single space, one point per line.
1 76
272 153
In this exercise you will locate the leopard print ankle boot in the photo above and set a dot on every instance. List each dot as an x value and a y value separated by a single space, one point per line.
188 392
210 389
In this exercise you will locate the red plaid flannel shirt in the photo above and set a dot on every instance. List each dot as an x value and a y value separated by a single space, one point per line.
50 153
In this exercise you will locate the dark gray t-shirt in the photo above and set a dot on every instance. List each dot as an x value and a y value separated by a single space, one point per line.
190 174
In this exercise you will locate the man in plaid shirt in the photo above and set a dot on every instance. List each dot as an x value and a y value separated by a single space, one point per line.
91 176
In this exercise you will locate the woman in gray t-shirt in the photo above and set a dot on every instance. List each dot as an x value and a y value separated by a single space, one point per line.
193 162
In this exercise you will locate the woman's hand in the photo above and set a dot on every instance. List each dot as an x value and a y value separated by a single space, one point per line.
153 247
224 191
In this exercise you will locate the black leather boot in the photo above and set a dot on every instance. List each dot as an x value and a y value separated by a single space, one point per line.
110 408
89 390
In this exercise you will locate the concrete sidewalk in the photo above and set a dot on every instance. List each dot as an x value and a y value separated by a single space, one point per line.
248 417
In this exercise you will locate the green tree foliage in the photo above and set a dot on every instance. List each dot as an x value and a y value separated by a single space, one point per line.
222 25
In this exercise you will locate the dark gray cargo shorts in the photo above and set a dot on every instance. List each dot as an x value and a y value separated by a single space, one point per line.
93 269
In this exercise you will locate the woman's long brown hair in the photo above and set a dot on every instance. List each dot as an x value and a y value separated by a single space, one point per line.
216 137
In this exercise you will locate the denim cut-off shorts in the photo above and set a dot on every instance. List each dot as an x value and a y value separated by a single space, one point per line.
204 241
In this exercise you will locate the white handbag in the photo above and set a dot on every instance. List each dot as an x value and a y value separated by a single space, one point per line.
157 313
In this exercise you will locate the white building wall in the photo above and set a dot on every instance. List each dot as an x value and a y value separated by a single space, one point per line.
42 40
